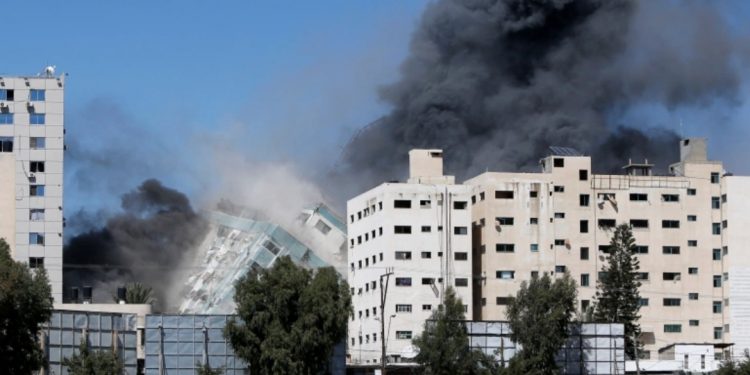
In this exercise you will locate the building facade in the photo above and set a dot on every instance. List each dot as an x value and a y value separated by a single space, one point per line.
407 241
31 182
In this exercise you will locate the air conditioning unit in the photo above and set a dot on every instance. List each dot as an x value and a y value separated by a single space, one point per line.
30 104
3 105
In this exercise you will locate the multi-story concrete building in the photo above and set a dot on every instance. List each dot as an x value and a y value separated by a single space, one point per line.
563 218
407 241
31 171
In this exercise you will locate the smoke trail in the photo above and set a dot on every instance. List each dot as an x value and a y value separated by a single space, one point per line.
495 82
150 241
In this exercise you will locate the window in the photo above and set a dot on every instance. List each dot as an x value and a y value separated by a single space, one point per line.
36 262
6 118
6 144
460 230
403 281
560 269
692 218
533 194
639 223
533 220
670 223
461 256
724 224
534 247
403 255
36 118
381 257
504 220
505 275
643 276
584 253
716 228
723 198
671 276
534 274
502 301
462 282
691 191
36 238
717 281
426 229
583 175
504 194
403 335
640 249
714 177
638 197
607 223
428 280
322 227
673 328
36 190
643 302
670 250
692 270
426 307
725 250
692 243
604 249
717 333
559 242
559 189
693 296
481 196
559 215
583 200
505 248
584 279
716 254
402 229
671 302
401 203
36 95
717 307
36 214
425 203
7 95
670 197
459 205
403 308
584 226
558 162
585 304
715 203
426 255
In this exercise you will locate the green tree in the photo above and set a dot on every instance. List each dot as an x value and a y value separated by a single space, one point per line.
539 317
93 362
25 304
444 344
617 296
289 318
137 293
731 367
205 369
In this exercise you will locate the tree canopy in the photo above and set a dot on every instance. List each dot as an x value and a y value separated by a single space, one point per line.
25 304
539 317
289 318
138 293
93 362
617 296
444 344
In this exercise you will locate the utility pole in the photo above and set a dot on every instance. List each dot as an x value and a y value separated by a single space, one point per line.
635 347
383 294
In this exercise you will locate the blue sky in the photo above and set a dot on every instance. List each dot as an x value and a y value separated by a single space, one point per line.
148 78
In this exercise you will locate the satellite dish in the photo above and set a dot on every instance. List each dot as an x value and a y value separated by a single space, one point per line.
49 70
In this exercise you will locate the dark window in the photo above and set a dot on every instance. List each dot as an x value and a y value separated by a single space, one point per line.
559 269
585 304
716 228
533 220
402 203
717 333
584 279
673 328
639 223
693 296
426 255
604 249
559 162
583 174
717 281
607 223
584 253
692 218
502 300
640 249
504 194
462 281
717 307
643 302
691 191
36 190
461 256
36 238
671 302
533 194
504 220
459 205
638 197
402 229
505 274
671 250
723 198
534 247
426 229
559 189
7 95
694 322
36 262
6 144
715 203
559 215
671 276
583 200
403 255
559 242
403 281
692 243
584 226
505 247
643 276
670 223
425 203
692 270
716 254
670 197
481 196
460 230
714 177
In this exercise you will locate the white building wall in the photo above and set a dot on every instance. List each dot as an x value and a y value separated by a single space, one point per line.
737 261
16 200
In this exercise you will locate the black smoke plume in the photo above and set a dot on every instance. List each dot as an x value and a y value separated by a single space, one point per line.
495 82
150 242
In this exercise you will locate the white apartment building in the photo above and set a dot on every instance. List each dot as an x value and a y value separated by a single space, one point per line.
692 264
420 233
31 172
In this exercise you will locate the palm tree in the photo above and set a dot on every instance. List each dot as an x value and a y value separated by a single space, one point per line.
137 293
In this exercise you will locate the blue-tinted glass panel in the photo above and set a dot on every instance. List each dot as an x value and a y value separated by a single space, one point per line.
36 118
37 95
6 118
